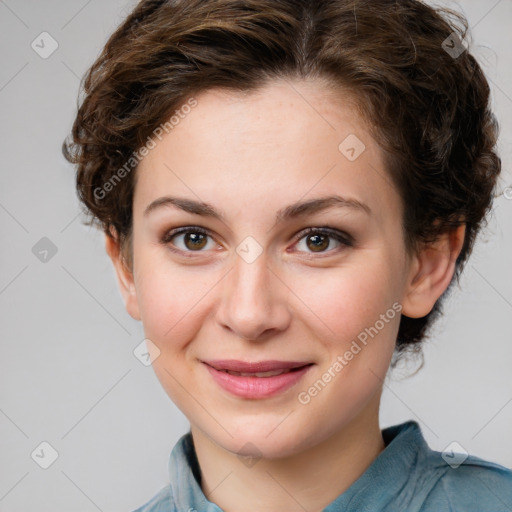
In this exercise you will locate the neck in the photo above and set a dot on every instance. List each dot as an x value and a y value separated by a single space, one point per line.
308 480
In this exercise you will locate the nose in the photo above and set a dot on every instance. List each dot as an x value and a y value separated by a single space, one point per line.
254 303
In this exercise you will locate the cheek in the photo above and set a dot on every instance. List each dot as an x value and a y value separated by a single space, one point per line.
162 296
357 324
172 301
172 312
345 301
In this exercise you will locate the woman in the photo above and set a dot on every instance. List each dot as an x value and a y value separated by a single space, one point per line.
288 190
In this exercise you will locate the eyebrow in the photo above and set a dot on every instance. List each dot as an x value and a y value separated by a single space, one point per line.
294 210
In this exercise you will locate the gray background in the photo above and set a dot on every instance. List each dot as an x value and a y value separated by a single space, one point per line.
68 375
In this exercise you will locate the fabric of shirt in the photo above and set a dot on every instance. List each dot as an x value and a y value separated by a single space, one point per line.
406 476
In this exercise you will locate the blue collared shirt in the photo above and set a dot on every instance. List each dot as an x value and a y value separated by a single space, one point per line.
406 476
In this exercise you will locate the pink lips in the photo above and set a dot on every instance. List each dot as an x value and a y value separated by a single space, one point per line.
257 385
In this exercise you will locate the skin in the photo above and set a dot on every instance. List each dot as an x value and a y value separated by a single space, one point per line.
250 155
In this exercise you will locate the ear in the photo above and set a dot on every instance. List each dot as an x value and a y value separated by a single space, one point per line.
431 272
124 276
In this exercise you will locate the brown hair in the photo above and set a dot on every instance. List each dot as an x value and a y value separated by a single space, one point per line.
427 106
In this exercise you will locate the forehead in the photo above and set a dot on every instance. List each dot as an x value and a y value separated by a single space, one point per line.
268 147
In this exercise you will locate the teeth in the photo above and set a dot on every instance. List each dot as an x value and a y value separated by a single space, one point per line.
257 374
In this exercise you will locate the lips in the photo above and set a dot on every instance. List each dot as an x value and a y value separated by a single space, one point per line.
256 380
271 373
256 369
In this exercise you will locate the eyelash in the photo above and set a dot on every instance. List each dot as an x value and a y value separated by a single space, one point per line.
344 239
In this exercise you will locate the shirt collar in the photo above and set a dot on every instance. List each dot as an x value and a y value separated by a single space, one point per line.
389 480
383 481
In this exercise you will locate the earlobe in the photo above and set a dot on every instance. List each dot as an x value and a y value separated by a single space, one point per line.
431 272
124 276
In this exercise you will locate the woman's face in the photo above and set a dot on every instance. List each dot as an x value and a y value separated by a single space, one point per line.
244 281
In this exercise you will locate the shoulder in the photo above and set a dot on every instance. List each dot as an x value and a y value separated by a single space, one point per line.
473 486
426 480
161 502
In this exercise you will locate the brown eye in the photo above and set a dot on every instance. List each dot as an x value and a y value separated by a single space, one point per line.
189 239
194 241
318 240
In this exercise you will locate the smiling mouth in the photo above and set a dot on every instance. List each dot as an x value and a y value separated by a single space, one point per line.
271 373
267 368
257 380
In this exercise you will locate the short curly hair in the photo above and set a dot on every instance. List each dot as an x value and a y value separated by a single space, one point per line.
423 95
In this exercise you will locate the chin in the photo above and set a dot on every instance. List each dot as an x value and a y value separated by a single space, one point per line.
264 440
